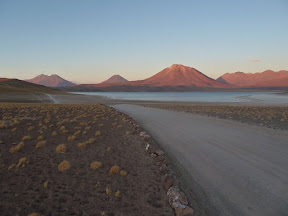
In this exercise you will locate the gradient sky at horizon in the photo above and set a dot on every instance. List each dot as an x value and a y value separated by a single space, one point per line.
89 41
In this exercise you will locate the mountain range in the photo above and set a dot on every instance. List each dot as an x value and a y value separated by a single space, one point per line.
50 81
176 78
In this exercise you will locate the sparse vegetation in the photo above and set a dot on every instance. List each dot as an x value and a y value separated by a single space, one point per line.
95 165
114 170
40 144
61 148
64 165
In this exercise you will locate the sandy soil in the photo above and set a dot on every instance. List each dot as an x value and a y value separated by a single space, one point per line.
37 184
233 168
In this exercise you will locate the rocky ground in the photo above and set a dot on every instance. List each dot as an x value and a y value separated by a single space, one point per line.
81 160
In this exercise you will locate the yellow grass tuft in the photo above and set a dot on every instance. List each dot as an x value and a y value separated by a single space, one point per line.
14 129
22 161
81 145
40 138
54 133
61 148
64 131
98 133
119 126
108 191
114 170
91 140
117 194
77 132
128 132
95 165
123 173
31 128
25 138
16 148
62 128
70 138
11 166
40 144
64 165
34 214
45 184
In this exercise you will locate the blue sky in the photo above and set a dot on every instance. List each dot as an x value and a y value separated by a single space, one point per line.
89 41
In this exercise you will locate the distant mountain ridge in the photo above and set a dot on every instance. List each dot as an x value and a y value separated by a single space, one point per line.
116 79
50 81
267 78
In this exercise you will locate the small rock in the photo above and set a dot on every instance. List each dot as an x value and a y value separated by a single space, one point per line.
169 182
176 196
159 152
153 155
182 212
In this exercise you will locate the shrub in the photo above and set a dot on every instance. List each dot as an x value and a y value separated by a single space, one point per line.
40 144
91 140
117 194
98 133
11 166
114 170
108 191
81 145
77 132
34 214
25 138
64 165
54 133
95 165
61 148
16 148
40 138
31 128
123 173
22 161
70 138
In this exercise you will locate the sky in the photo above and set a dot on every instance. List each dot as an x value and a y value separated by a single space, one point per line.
87 41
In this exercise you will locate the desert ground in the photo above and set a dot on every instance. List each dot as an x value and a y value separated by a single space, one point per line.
58 159
230 158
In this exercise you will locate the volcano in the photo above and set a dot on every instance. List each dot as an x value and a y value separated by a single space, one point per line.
115 79
50 81
180 75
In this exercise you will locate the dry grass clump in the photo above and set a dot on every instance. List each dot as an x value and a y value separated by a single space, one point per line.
65 131
31 128
100 125
11 166
114 170
108 191
17 147
54 133
62 128
98 133
40 144
45 184
64 165
117 194
77 132
26 138
91 140
71 138
81 145
128 132
40 138
123 173
14 129
61 148
22 162
119 126
34 214
95 165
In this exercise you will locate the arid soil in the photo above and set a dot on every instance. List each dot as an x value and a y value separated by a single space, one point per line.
270 116
31 179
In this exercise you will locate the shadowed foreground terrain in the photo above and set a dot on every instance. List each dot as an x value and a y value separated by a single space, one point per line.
57 160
